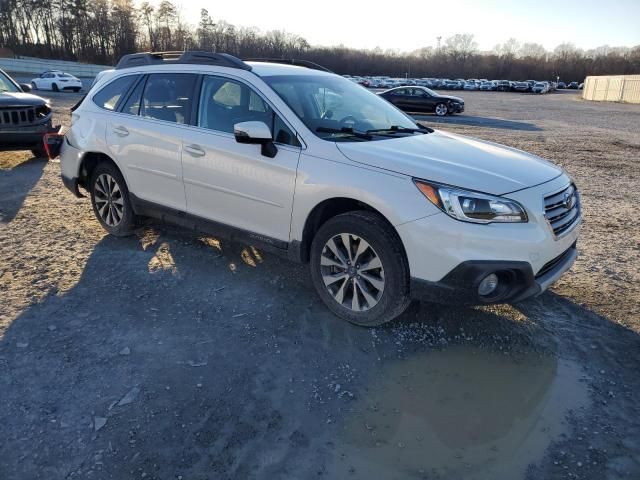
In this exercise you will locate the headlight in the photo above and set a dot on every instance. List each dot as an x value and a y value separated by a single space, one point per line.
472 206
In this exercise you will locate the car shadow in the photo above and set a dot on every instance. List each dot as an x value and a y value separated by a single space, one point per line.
15 185
188 354
474 121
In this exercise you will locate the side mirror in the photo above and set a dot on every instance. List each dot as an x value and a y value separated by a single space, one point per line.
26 88
256 132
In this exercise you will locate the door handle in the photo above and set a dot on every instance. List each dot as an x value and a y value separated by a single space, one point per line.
120 130
194 150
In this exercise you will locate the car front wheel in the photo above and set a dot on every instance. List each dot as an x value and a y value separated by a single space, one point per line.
359 268
110 200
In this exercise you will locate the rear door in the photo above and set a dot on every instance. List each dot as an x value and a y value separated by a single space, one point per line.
146 136
233 183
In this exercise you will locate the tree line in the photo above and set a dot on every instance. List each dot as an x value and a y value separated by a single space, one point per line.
101 31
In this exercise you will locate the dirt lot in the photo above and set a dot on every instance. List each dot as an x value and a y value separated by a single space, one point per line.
170 355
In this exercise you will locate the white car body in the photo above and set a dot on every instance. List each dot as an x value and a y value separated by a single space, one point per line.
56 80
210 175
540 87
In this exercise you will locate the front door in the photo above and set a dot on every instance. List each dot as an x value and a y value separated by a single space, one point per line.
233 183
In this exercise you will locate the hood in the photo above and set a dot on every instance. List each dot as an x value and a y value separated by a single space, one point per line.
455 160
451 97
11 99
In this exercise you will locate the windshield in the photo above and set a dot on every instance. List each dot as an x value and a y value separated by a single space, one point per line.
6 85
335 109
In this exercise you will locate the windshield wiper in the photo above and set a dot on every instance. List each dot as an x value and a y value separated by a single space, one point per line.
393 129
347 130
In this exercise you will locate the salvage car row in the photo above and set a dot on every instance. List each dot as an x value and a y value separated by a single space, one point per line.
532 86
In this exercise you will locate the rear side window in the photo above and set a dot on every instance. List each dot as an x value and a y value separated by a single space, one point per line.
168 97
109 96
132 104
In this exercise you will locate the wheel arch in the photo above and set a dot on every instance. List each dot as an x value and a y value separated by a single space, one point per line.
324 211
90 160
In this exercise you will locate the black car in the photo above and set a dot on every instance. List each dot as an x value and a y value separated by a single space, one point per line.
422 99
574 85
24 118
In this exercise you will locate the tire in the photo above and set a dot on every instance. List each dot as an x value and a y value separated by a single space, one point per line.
39 152
111 204
34 86
55 88
76 90
441 109
374 306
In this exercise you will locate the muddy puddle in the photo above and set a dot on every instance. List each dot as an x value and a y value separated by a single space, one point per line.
458 414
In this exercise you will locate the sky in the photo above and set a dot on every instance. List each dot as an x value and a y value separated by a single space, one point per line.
410 25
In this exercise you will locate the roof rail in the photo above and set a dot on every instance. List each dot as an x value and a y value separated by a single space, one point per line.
182 57
290 61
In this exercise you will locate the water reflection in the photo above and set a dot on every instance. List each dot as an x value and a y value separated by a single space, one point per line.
459 413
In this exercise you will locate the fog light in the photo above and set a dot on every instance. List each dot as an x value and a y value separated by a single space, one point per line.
488 284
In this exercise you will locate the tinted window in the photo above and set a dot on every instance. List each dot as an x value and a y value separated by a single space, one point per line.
109 95
168 97
132 105
400 91
224 102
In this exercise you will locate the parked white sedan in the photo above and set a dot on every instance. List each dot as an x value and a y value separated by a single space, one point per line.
56 81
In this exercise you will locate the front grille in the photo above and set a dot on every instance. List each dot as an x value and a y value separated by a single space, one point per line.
17 116
550 265
562 210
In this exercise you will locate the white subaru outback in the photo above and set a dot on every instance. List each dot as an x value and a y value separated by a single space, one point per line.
307 164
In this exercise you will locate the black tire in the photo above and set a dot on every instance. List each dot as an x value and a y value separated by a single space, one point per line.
372 228
440 108
76 90
55 88
34 86
39 152
127 223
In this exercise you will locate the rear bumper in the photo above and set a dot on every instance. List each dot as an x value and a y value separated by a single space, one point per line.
516 281
72 185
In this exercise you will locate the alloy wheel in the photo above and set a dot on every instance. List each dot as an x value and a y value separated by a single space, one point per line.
352 272
441 109
109 201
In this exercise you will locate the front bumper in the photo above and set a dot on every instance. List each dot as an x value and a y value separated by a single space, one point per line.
24 137
448 258
516 281
456 107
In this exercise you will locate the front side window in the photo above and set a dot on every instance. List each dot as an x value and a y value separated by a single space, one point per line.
225 102
109 96
168 97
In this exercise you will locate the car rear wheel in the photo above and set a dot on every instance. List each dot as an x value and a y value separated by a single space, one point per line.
110 200
39 152
359 268
441 109
55 88
34 86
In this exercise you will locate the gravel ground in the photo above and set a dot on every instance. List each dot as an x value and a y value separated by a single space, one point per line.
172 355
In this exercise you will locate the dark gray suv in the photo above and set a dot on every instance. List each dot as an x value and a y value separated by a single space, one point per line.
24 118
